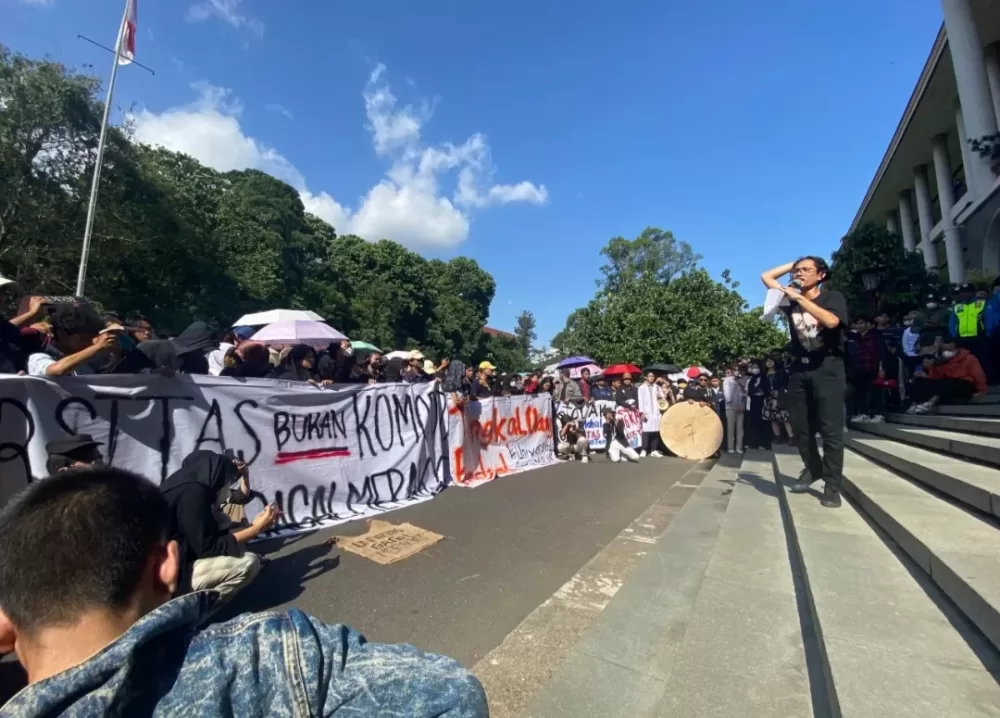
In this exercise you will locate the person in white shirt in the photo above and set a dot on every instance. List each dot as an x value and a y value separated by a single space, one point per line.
233 338
76 339
650 397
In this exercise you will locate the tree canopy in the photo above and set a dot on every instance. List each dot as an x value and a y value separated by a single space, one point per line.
905 280
659 306
176 240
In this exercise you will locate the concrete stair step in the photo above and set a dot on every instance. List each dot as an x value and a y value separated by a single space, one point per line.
970 409
985 449
976 486
706 624
967 424
959 551
892 645
991 397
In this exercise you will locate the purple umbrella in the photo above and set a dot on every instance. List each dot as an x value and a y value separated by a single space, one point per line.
575 361
298 332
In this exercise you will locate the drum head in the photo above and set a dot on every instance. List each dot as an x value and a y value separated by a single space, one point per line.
691 431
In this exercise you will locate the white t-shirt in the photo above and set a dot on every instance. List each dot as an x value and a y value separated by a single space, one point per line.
38 363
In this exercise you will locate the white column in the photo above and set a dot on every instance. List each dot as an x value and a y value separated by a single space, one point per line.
993 78
946 198
890 222
925 217
906 221
967 156
973 87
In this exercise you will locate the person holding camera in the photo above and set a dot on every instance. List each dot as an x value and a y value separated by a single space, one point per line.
572 440
817 322
76 341
212 557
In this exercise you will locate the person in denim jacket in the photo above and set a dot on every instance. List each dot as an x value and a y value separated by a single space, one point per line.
86 576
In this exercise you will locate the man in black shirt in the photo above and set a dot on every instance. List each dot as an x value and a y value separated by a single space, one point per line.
817 322
697 392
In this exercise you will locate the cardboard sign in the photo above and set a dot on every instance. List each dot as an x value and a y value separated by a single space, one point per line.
386 543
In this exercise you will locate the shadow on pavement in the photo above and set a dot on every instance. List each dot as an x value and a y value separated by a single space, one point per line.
281 580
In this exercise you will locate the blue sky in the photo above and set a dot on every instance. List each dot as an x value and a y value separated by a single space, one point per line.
526 134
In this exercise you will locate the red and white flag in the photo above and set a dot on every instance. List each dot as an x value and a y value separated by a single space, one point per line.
126 53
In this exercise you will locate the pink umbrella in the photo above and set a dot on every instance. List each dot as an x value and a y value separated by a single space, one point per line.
298 331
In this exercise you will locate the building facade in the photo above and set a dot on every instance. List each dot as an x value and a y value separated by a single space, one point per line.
931 188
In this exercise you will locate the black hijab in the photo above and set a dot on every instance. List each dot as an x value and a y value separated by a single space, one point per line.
185 354
394 371
294 371
204 468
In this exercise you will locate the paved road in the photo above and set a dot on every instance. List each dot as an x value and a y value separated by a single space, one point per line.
510 545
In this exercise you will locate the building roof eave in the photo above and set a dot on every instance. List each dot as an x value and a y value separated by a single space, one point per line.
911 106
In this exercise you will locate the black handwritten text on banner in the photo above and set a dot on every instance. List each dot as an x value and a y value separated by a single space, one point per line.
322 456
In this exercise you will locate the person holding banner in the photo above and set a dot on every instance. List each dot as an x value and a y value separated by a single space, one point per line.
616 440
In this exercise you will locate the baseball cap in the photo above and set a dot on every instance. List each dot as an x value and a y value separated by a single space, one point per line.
429 367
72 447
416 354
486 365
244 333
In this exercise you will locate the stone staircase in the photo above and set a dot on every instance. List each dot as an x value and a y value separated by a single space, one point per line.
760 602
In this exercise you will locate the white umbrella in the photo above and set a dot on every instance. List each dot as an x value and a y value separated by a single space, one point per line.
273 316
298 332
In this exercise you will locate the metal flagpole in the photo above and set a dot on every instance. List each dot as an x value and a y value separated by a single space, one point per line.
92 207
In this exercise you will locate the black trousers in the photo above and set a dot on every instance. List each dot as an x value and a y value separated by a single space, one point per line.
868 398
650 441
948 391
816 405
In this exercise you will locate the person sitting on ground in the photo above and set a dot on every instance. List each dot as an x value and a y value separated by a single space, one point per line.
628 394
566 389
211 557
76 341
76 451
92 620
951 376
572 440
616 440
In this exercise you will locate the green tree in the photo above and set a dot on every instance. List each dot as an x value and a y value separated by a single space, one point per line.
525 332
905 279
646 315
654 253
177 240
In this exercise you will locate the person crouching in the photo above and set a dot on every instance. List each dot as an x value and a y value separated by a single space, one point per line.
572 441
615 439
212 557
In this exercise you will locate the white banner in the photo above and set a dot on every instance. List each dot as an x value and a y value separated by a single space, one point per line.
590 418
324 457
495 437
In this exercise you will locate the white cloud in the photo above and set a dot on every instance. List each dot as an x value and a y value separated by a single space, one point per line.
226 10
408 205
280 109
